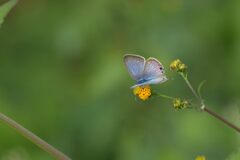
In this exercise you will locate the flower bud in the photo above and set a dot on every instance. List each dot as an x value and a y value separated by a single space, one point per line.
200 158
174 65
180 104
178 66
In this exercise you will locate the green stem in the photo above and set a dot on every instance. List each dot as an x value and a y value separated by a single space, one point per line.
33 138
192 89
229 124
205 109
165 96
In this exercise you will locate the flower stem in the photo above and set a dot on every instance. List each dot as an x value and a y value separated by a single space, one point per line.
203 107
221 119
192 89
33 138
164 96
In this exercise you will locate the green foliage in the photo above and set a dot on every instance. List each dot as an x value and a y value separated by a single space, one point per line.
5 8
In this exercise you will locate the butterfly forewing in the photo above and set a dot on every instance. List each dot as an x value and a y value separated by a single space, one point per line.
135 65
153 69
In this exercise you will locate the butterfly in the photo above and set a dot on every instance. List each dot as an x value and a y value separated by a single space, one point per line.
145 72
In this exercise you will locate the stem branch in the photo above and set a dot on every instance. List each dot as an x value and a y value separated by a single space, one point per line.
164 96
229 124
203 107
33 138
192 89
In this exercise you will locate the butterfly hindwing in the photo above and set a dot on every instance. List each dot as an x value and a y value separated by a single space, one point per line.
135 65
154 71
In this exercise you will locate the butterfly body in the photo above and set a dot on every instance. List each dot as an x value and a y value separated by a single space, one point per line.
141 81
145 72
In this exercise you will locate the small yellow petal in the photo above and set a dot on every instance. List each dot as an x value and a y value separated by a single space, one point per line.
177 103
182 67
136 90
200 158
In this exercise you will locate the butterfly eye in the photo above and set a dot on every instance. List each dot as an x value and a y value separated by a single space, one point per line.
161 68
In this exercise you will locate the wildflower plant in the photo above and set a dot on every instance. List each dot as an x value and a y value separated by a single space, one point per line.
4 9
151 71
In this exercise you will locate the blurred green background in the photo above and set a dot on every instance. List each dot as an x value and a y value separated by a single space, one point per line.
62 76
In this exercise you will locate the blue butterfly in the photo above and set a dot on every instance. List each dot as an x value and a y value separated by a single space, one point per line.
145 72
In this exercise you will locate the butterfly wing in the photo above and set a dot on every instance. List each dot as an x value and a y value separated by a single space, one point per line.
135 65
153 72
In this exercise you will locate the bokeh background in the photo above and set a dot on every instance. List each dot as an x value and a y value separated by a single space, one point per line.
62 76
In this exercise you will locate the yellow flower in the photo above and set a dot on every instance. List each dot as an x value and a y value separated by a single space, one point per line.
178 66
180 104
143 92
182 67
174 64
177 103
136 90
200 158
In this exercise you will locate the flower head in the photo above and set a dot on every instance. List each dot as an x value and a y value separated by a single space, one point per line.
200 158
178 66
174 64
143 92
180 104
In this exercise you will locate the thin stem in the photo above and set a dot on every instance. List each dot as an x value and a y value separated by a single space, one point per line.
33 138
165 96
203 107
192 89
221 119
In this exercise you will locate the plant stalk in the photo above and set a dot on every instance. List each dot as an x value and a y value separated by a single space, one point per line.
33 138
203 107
164 96
192 89
229 124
